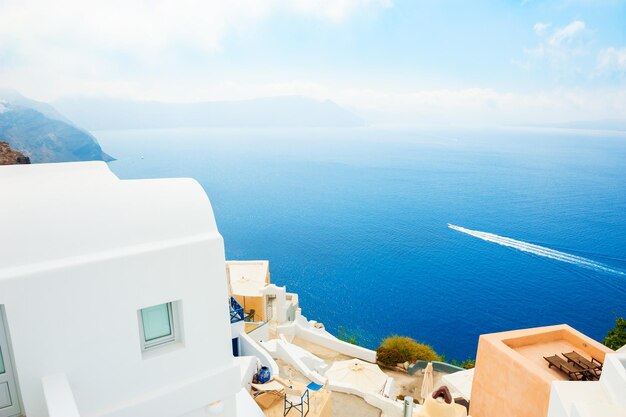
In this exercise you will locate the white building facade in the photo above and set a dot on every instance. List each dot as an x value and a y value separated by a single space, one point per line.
112 297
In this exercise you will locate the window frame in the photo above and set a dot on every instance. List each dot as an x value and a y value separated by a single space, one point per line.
172 310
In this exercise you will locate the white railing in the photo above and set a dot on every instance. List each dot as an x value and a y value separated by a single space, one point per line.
305 329
59 397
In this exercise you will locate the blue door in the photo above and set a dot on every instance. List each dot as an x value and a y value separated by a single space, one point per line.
236 346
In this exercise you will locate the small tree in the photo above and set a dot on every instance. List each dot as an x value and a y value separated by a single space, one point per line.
468 364
616 338
399 349
389 357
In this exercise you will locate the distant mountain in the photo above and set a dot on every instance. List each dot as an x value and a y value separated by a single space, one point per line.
40 132
609 124
289 111
16 99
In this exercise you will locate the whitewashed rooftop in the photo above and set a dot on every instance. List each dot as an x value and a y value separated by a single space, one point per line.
247 278
90 213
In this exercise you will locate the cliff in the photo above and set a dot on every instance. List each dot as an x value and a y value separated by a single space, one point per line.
43 134
9 156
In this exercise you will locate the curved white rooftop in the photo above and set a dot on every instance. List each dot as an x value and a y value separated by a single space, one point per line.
58 213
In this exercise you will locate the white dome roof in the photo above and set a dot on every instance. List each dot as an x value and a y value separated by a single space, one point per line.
54 214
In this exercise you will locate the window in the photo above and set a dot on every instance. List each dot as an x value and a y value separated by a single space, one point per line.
158 325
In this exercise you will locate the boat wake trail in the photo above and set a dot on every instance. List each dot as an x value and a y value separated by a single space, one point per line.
539 251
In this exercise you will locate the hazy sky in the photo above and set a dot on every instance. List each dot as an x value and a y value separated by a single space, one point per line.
390 60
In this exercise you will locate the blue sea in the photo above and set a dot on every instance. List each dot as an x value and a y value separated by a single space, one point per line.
356 222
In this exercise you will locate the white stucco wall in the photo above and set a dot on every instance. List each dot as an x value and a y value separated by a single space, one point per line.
305 329
603 398
87 252
249 347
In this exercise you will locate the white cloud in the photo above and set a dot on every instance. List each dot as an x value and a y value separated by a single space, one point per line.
125 25
144 28
137 23
466 106
568 33
334 10
541 28
486 106
560 48
76 48
612 59
66 47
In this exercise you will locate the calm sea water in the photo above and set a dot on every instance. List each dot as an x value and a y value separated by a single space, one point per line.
355 221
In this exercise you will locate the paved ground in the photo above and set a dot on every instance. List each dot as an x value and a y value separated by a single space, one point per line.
326 354
344 405
404 383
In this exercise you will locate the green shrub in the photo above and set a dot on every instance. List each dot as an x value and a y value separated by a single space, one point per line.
348 336
389 357
616 338
468 364
404 349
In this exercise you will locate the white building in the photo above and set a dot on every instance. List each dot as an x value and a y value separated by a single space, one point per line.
250 285
112 297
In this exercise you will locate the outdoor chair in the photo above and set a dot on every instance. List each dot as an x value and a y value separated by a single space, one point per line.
297 400
267 394
266 399
250 315
594 366
573 371
463 402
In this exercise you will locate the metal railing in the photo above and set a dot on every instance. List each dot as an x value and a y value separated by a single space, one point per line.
236 311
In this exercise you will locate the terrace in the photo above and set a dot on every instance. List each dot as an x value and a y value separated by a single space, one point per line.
512 377
535 352
328 401
324 403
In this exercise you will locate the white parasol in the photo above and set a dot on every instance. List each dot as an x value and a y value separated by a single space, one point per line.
428 382
366 377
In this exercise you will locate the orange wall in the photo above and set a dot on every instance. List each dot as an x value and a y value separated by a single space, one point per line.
256 303
502 386
507 384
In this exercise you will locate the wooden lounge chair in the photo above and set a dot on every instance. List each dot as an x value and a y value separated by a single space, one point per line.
594 366
267 399
573 371
267 394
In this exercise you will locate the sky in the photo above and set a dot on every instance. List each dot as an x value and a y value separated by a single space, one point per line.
391 61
